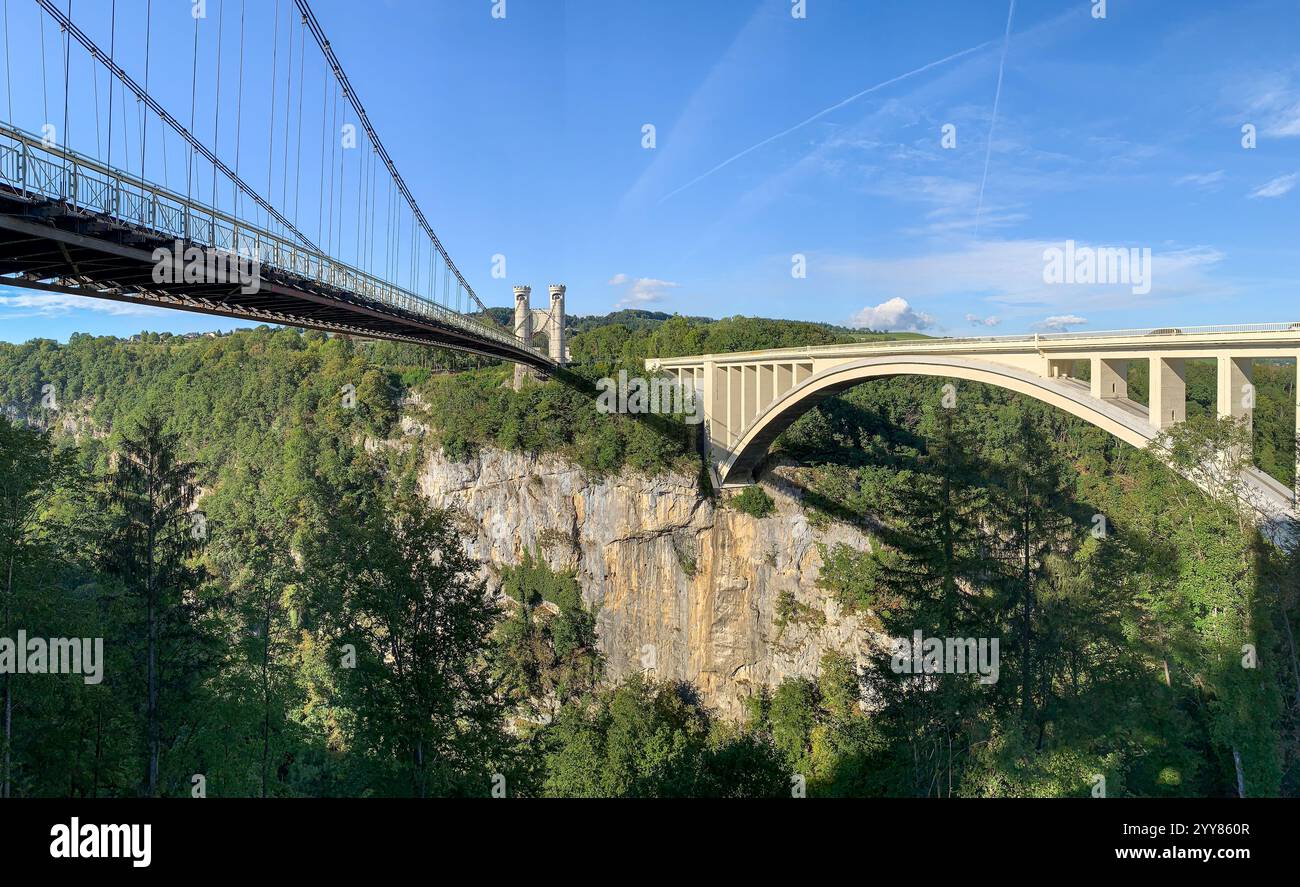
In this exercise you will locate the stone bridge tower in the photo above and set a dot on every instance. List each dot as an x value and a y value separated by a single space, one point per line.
523 329
549 321
555 325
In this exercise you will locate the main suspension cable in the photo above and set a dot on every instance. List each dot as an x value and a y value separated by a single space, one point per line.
143 96
350 94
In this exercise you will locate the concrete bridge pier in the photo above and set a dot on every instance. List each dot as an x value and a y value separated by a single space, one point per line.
1236 394
1168 397
1109 378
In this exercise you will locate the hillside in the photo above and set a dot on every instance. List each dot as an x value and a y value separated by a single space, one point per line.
346 484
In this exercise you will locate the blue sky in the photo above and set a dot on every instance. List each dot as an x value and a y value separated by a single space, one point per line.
778 137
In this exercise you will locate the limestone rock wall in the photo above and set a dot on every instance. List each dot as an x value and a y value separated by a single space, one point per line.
675 581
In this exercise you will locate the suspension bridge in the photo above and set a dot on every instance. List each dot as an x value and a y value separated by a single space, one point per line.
92 202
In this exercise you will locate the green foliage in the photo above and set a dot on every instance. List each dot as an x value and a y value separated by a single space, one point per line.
1121 652
643 739
544 657
790 610
686 557
401 592
479 409
753 501
629 338
821 731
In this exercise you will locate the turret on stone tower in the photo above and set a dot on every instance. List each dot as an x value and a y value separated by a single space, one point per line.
555 325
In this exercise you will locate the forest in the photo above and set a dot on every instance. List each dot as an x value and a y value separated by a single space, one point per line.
284 615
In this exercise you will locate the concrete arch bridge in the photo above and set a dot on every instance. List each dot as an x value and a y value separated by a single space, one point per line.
751 397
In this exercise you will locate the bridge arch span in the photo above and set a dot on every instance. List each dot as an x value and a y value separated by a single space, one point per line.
749 450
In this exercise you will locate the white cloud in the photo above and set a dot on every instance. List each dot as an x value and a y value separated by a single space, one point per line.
1276 101
1202 180
896 315
1009 274
976 320
1276 187
641 290
1060 323
47 305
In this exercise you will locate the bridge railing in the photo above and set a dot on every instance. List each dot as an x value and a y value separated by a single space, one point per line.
1157 334
1161 333
33 168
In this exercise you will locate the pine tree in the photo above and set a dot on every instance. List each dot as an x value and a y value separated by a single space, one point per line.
1031 526
934 578
151 493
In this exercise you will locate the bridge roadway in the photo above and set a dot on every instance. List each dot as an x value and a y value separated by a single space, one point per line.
751 397
70 224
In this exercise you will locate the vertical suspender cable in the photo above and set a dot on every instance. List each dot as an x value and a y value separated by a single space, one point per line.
368 246
239 104
194 85
216 116
45 93
94 76
9 79
288 106
342 190
334 137
67 55
143 97
112 52
270 148
297 184
374 210
144 135
361 193
320 195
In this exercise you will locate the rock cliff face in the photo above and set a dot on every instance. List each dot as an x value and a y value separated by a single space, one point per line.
678 584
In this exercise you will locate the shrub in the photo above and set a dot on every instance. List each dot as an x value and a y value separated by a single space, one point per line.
753 501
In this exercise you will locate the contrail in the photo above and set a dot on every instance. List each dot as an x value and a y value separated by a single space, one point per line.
823 113
997 97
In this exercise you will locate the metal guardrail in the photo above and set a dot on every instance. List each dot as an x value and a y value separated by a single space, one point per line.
30 167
